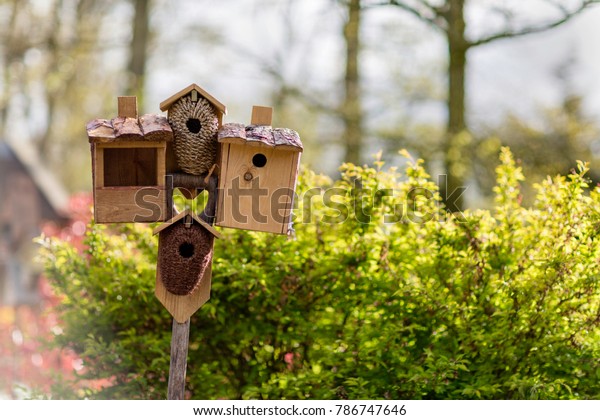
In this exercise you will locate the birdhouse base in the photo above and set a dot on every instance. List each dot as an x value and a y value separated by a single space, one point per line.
183 307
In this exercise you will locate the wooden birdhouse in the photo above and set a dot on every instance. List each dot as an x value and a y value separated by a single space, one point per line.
183 273
128 164
259 167
195 117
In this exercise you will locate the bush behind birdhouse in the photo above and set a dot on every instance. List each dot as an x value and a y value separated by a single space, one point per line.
496 304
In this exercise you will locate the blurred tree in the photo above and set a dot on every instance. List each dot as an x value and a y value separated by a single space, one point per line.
55 74
448 16
563 135
138 52
351 108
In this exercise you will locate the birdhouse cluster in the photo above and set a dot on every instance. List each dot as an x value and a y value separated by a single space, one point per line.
249 171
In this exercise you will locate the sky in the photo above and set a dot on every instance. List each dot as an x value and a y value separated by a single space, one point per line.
524 69
511 75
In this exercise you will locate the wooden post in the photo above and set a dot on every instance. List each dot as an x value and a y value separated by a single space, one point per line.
179 351
181 331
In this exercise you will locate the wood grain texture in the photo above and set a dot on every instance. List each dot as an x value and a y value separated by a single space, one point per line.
183 307
232 131
287 138
261 115
260 136
263 202
149 127
125 167
155 128
127 106
98 166
161 171
127 129
100 130
180 216
166 104
178 365
130 204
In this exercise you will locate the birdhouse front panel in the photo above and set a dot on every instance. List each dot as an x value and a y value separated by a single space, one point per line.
259 167
128 163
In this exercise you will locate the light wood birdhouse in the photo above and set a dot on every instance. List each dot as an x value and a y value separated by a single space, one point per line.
259 167
128 164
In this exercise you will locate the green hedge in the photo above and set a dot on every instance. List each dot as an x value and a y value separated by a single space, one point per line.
380 295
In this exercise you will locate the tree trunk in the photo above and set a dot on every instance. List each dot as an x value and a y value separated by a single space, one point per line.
351 109
139 49
454 157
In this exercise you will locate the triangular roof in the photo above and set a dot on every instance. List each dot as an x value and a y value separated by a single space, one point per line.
166 104
180 216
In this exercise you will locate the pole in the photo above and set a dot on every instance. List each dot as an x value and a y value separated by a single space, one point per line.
181 332
179 351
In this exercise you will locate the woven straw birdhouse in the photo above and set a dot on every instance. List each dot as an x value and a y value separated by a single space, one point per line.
259 167
183 274
195 117
185 246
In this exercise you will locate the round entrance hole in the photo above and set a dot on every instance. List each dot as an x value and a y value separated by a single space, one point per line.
186 250
194 125
259 160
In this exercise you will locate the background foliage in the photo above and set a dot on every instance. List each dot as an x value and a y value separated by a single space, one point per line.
495 304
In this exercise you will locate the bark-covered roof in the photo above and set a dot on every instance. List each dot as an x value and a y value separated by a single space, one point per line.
149 127
260 135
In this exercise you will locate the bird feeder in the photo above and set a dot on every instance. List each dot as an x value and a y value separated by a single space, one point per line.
195 117
128 164
183 273
258 172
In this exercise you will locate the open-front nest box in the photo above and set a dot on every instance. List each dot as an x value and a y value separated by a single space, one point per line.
128 163
259 168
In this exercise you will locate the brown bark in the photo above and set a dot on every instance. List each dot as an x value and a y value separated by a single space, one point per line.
155 128
449 17
457 66
139 48
351 107
178 366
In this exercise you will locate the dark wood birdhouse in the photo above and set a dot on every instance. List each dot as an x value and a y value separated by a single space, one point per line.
128 163
183 273
195 117
259 168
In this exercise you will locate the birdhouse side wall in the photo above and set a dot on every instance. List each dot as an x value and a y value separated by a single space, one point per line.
253 197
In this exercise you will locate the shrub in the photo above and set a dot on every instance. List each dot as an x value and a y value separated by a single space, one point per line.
381 294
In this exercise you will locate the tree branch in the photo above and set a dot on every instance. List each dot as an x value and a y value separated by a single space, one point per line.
435 20
566 16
